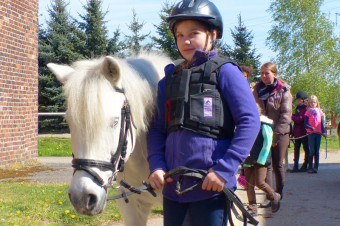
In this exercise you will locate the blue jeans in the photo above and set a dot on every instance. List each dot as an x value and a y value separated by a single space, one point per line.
314 142
212 212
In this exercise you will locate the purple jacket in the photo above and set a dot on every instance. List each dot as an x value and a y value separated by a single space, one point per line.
185 148
299 118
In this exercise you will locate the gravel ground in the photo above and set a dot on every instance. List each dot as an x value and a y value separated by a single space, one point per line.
309 199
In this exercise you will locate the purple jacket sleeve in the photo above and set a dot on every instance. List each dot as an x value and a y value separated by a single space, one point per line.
240 100
157 134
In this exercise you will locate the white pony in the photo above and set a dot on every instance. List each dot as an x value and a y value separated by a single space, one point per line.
97 91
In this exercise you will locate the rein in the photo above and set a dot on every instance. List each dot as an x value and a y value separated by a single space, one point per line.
296 138
117 162
230 195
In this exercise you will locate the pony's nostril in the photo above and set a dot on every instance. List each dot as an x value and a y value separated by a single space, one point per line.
92 201
69 196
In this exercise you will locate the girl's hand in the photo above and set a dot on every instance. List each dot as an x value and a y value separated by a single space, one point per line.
274 145
156 179
325 135
213 182
314 129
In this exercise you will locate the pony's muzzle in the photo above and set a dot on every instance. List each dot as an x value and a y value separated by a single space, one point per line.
87 197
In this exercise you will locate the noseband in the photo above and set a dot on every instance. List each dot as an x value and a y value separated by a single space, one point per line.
120 154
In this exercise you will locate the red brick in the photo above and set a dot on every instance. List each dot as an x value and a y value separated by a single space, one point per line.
19 80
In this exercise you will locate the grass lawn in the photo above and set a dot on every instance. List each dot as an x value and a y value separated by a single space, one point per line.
29 204
54 146
59 146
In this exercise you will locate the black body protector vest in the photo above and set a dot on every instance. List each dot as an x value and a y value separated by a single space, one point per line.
194 101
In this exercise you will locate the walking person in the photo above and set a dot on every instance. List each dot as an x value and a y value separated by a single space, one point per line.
273 97
314 122
299 131
206 118
256 166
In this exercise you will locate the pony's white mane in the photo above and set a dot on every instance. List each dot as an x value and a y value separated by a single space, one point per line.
88 91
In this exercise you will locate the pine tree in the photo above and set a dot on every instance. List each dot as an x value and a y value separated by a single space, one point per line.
95 29
134 42
166 41
56 44
115 46
243 51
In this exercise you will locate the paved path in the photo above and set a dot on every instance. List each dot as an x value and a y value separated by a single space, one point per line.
309 199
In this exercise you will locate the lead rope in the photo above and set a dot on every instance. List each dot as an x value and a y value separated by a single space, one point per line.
296 138
230 195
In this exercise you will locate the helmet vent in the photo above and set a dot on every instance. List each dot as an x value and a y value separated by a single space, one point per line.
180 4
192 3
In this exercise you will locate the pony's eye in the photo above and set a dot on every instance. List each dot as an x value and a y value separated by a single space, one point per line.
114 122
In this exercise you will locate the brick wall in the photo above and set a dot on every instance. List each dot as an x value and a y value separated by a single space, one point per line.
18 80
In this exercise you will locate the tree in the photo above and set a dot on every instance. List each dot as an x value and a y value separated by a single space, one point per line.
134 42
243 51
166 41
306 47
115 46
95 29
56 44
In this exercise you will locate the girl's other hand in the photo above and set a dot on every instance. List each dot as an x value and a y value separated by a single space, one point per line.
325 135
274 145
213 182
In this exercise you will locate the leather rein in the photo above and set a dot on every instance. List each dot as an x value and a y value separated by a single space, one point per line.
117 162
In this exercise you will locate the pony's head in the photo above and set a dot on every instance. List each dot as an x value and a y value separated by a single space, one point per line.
101 128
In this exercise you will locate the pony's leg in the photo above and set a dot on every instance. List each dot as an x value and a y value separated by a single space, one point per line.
136 212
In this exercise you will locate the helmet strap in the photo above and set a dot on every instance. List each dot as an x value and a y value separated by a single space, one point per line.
212 39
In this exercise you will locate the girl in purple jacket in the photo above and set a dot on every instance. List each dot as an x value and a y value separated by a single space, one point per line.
299 131
206 119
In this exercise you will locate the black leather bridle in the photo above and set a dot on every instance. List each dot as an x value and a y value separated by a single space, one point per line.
118 159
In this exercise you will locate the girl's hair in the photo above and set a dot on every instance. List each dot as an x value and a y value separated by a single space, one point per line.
271 66
313 97
247 69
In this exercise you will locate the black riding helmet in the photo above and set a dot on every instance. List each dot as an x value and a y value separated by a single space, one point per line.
200 10
301 95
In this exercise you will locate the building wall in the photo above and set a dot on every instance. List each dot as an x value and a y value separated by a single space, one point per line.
18 80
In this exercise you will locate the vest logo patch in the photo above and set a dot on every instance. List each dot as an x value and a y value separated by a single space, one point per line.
207 107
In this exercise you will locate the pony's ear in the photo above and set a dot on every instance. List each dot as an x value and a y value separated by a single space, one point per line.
110 68
62 72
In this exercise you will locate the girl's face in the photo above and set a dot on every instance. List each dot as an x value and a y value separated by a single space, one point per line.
267 76
191 36
299 101
313 103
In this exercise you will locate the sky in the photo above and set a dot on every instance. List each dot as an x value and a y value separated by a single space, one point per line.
254 14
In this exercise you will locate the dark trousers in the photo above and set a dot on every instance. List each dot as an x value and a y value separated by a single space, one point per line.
278 154
314 141
211 211
297 145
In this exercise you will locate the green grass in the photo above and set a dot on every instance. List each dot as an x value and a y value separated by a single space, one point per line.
57 146
27 204
54 146
48 204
